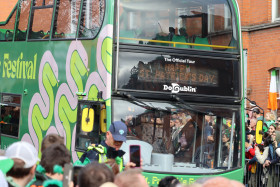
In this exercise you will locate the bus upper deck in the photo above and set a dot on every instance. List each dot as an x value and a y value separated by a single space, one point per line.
203 25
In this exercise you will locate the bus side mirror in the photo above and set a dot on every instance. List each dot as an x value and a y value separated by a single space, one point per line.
259 132
87 122
102 121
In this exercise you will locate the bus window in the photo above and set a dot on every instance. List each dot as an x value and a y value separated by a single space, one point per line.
92 18
40 26
10 114
67 15
220 21
219 146
194 142
225 142
23 20
7 27
205 153
180 24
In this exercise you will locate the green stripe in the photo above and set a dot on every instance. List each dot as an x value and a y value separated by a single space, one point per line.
273 72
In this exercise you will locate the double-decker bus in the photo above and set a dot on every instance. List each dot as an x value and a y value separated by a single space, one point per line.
170 70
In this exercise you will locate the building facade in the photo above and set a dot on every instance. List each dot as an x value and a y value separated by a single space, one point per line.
260 20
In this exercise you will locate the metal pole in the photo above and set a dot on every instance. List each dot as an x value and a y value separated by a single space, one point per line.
231 140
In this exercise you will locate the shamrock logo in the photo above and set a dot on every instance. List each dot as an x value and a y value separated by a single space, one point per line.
121 131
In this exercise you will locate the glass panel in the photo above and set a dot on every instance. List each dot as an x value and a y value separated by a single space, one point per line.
180 24
89 113
42 20
67 19
23 20
84 139
7 30
177 74
277 8
92 18
43 2
10 113
193 141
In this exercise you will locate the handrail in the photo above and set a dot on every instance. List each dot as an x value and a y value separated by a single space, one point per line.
174 43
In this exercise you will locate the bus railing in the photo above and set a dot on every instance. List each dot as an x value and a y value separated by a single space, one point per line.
177 43
258 176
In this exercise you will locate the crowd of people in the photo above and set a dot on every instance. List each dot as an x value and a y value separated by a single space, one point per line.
262 158
101 165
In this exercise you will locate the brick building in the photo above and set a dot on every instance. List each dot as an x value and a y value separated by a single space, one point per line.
260 20
5 12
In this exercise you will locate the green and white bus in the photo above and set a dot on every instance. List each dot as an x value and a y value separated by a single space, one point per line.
172 70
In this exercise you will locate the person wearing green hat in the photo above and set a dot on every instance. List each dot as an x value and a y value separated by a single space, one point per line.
5 165
269 118
51 166
265 127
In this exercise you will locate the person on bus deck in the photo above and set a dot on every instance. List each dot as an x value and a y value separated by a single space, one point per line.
110 147
186 141
176 134
183 32
208 129
225 148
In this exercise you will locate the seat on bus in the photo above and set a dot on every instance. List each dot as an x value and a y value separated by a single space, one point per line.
199 40
2 36
161 38
127 34
9 35
180 39
36 35
20 35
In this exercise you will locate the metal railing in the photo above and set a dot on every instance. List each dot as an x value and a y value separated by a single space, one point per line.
258 176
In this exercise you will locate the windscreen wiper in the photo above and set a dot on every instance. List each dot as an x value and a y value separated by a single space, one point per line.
140 103
189 107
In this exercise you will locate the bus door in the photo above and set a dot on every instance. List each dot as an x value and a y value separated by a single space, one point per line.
91 124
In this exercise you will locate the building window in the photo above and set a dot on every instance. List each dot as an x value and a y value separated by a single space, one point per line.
10 114
275 10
